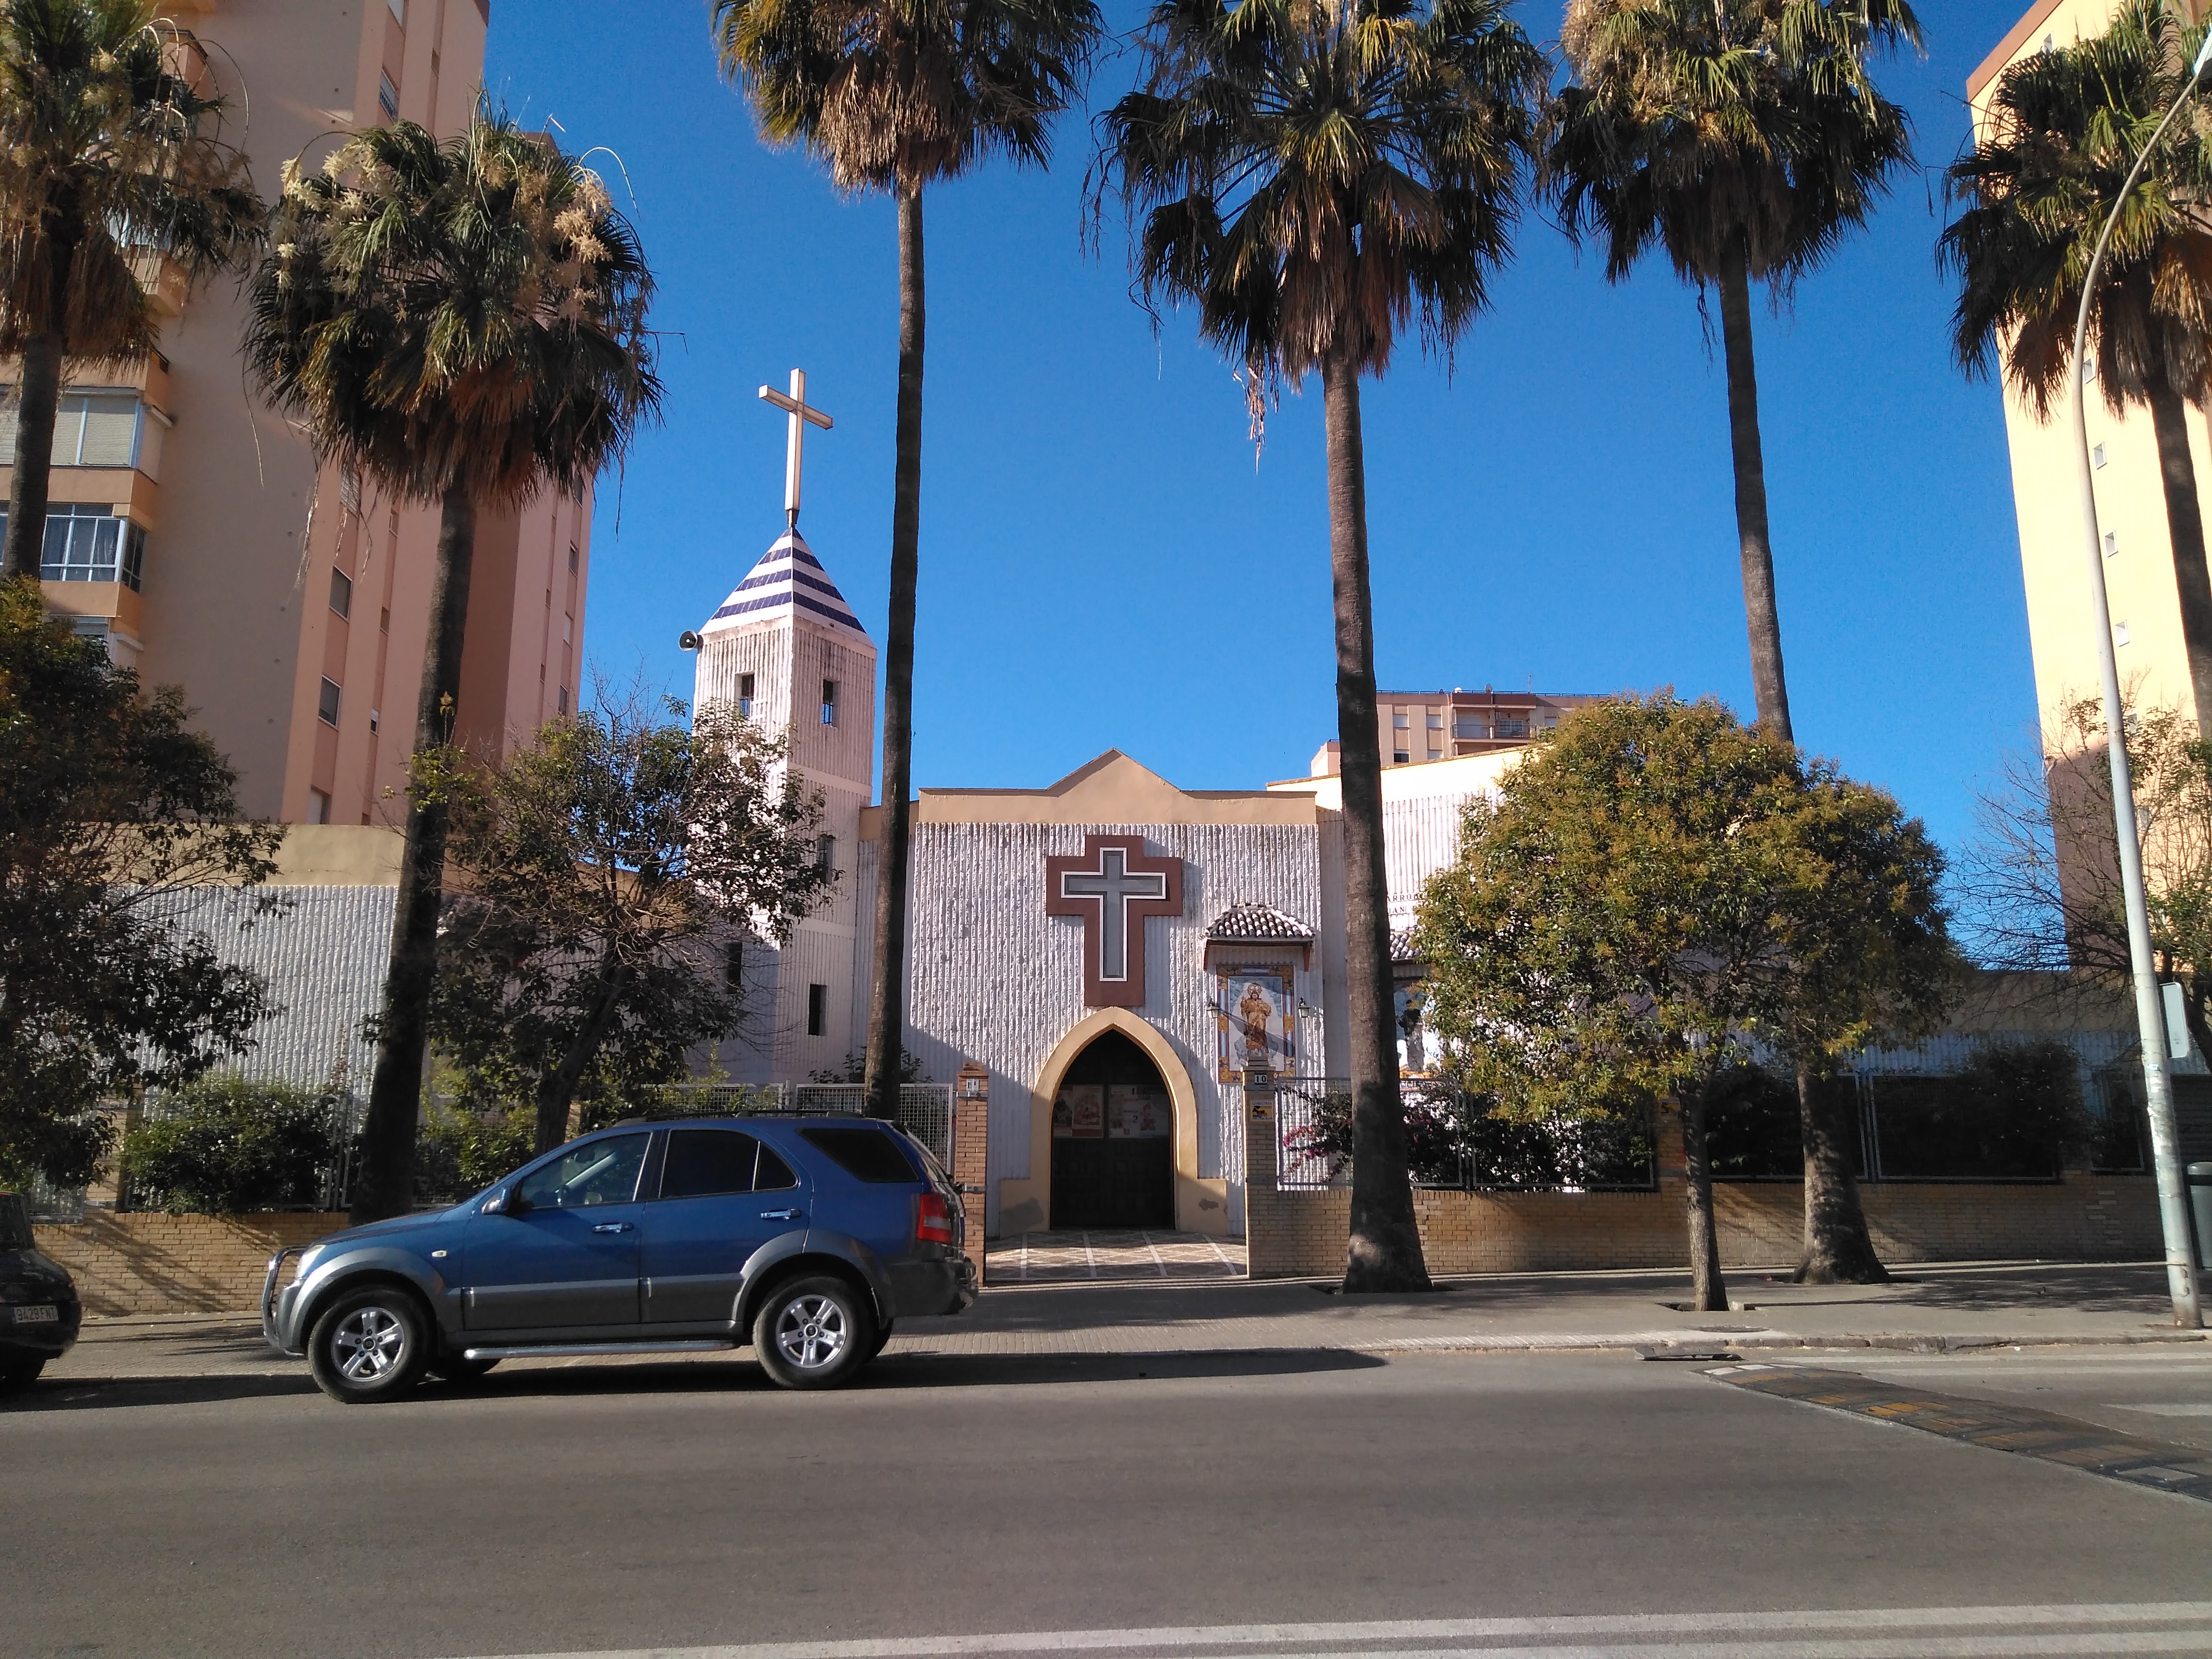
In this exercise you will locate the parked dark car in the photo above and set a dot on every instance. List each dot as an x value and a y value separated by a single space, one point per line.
39 1313
808 1236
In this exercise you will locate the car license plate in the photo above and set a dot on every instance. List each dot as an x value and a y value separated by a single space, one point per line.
37 1314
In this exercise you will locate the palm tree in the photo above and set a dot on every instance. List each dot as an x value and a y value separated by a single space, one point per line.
1745 137
111 157
2063 129
897 94
1311 173
465 324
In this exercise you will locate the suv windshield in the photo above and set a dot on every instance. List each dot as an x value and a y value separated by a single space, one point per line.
14 1223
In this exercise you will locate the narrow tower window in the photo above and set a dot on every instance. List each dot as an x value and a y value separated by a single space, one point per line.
829 702
745 696
817 1010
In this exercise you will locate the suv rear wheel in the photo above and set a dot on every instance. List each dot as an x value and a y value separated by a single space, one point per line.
814 1332
370 1344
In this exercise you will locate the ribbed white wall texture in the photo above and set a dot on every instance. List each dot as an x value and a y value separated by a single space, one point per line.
323 954
1420 837
997 981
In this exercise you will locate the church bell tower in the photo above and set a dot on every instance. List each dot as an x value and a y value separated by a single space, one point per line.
787 651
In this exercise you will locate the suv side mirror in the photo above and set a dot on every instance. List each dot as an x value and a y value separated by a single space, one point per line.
510 1202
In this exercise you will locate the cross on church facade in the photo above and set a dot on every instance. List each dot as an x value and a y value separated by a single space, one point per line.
802 416
1113 886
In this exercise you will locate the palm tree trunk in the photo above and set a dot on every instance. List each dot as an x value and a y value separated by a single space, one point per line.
1839 1249
887 973
385 1184
40 400
1384 1250
2185 529
1768 692
1708 1293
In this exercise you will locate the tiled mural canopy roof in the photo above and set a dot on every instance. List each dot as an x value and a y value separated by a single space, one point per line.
1261 923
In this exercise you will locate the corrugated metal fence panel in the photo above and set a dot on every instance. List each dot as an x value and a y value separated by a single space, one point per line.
325 956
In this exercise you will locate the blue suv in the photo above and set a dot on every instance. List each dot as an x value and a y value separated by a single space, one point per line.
809 1237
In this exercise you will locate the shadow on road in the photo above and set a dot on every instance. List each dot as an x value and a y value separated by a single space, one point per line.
647 1378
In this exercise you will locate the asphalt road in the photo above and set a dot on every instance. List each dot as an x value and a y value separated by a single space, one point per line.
1500 1504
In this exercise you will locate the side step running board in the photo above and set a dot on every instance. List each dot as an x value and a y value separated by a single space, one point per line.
571 1350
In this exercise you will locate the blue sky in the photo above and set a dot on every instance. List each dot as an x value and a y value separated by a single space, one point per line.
1106 563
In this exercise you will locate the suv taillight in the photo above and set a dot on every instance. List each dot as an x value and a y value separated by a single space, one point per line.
933 1220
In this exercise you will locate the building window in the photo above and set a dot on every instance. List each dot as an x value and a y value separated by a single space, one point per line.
326 705
341 593
568 629
1399 719
1436 721
829 702
825 853
384 618
1469 731
745 696
375 720
318 802
349 488
2112 543
817 1010
572 558
733 965
398 11
388 97
1400 756
91 544
564 702
1514 725
95 428
2097 455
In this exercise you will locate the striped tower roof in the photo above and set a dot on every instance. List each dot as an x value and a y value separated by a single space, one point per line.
789 582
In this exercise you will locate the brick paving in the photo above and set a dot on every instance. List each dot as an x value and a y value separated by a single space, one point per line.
1076 1257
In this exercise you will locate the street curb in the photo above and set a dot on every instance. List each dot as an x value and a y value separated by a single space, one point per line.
1706 1342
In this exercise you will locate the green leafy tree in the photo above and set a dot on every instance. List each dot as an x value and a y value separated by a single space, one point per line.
896 95
1312 177
2063 128
605 867
117 822
113 158
1744 137
1655 895
465 322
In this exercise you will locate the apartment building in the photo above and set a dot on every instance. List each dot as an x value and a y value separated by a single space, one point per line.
192 528
2138 552
1426 725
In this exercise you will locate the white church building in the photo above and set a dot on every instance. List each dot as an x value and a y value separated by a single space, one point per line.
1111 947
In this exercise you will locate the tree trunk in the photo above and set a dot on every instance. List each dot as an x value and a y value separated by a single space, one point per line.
1757 553
39 398
1384 1251
1708 1294
887 973
2185 529
1838 1250
557 1089
384 1183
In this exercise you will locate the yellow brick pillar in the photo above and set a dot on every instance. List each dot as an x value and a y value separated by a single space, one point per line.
1263 1208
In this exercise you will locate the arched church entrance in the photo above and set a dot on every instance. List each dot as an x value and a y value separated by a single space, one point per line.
1113 1140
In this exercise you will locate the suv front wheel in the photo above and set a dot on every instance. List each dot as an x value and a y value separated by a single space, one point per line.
370 1344
814 1332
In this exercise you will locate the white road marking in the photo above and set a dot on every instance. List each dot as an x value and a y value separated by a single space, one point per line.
2190 1408
1939 1633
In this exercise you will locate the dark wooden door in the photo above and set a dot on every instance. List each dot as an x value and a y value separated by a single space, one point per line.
1099 1184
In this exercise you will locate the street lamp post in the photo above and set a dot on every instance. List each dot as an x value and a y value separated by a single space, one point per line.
2150 1012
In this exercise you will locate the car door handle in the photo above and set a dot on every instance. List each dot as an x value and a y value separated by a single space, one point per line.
780 1215
611 1227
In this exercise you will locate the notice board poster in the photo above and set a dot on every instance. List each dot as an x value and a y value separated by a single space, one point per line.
1079 1112
1136 1111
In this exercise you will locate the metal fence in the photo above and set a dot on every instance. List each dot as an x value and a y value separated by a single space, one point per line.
925 1110
1453 1143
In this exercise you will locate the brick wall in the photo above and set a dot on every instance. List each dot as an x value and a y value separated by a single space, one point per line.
2084 1218
971 1154
146 1263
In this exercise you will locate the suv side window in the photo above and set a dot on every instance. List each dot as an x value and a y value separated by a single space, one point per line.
774 1174
599 1172
703 1163
871 1155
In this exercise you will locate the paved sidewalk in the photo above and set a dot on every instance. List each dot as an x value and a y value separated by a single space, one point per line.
1930 1307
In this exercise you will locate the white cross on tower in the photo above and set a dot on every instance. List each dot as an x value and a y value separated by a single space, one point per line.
796 406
